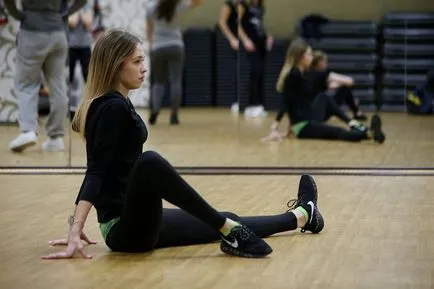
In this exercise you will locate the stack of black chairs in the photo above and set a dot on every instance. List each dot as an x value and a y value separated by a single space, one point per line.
198 67
351 47
408 54
225 71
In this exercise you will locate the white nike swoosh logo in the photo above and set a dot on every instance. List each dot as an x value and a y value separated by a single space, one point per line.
312 208
232 244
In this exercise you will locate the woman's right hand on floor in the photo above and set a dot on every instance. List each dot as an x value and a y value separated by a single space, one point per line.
74 245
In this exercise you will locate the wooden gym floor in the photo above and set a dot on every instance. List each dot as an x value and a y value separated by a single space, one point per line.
379 223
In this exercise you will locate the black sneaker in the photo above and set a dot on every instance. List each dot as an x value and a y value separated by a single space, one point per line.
153 118
377 133
308 199
174 119
242 242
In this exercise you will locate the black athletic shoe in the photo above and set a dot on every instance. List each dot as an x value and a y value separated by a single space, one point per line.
153 118
308 199
377 133
174 119
242 242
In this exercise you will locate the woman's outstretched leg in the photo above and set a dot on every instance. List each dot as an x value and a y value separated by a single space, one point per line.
179 228
154 179
344 94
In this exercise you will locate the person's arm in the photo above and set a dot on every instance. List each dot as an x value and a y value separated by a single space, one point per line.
248 44
293 86
340 79
223 24
101 156
73 20
225 12
87 18
11 7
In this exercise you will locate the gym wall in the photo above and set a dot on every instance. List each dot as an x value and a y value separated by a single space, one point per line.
282 15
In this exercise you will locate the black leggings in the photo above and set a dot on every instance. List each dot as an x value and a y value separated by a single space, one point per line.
344 95
82 55
145 225
325 107
167 64
257 60
319 130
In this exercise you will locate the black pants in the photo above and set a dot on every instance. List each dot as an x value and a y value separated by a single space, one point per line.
344 95
144 225
325 107
83 56
257 62
167 65
320 130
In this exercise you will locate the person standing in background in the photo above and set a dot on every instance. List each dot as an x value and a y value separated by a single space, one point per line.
80 25
41 46
228 24
167 52
256 42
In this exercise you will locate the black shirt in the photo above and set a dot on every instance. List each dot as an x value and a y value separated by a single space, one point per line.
317 81
252 21
232 21
298 96
115 135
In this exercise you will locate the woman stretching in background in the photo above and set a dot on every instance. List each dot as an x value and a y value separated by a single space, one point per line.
308 110
321 80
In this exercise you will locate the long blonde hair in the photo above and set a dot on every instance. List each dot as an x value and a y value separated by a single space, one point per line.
294 54
108 54
318 56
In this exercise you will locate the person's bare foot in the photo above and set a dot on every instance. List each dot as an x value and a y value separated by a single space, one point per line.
273 136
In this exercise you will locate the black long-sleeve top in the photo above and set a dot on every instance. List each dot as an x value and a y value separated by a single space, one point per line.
253 22
298 96
232 20
115 135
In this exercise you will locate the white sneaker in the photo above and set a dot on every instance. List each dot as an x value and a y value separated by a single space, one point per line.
248 111
53 145
23 141
235 107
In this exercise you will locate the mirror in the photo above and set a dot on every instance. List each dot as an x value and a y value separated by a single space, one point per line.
223 117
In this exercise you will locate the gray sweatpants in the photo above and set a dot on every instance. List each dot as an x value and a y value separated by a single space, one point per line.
46 52
167 65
